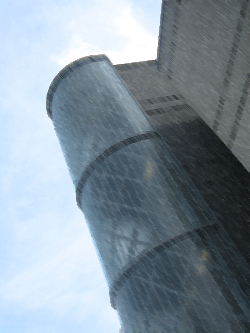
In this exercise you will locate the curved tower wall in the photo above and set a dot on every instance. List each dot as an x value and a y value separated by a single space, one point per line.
98 114
140 206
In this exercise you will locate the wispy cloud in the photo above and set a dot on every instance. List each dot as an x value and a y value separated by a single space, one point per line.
48 262
133 41
77 50
64 277
140 44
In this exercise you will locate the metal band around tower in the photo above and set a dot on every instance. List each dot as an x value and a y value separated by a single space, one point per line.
100 158
145 257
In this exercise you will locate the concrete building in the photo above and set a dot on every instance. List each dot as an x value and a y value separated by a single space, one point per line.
158 153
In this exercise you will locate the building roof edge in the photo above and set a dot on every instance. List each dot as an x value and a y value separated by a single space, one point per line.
163 5
64 72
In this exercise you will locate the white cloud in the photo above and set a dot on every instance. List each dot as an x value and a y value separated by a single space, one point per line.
48 261
132 41
55 283
140 45
55 269
77 50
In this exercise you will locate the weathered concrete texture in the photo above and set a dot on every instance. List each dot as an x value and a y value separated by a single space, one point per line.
204 48
174 259
154 91
219 176
150 84
223 183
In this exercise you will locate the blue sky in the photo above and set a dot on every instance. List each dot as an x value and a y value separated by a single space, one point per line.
50 276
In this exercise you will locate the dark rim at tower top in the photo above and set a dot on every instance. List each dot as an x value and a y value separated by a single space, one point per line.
65 71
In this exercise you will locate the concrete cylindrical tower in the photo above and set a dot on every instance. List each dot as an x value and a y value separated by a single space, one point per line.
162 250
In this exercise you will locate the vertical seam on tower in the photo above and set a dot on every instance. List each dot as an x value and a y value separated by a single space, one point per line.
239 112
230 64
160 37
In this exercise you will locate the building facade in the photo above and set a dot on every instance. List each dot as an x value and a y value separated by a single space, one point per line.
204 50
165 199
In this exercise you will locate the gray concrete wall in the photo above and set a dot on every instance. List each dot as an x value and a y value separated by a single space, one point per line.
156 237
155 93
204 49
223 183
